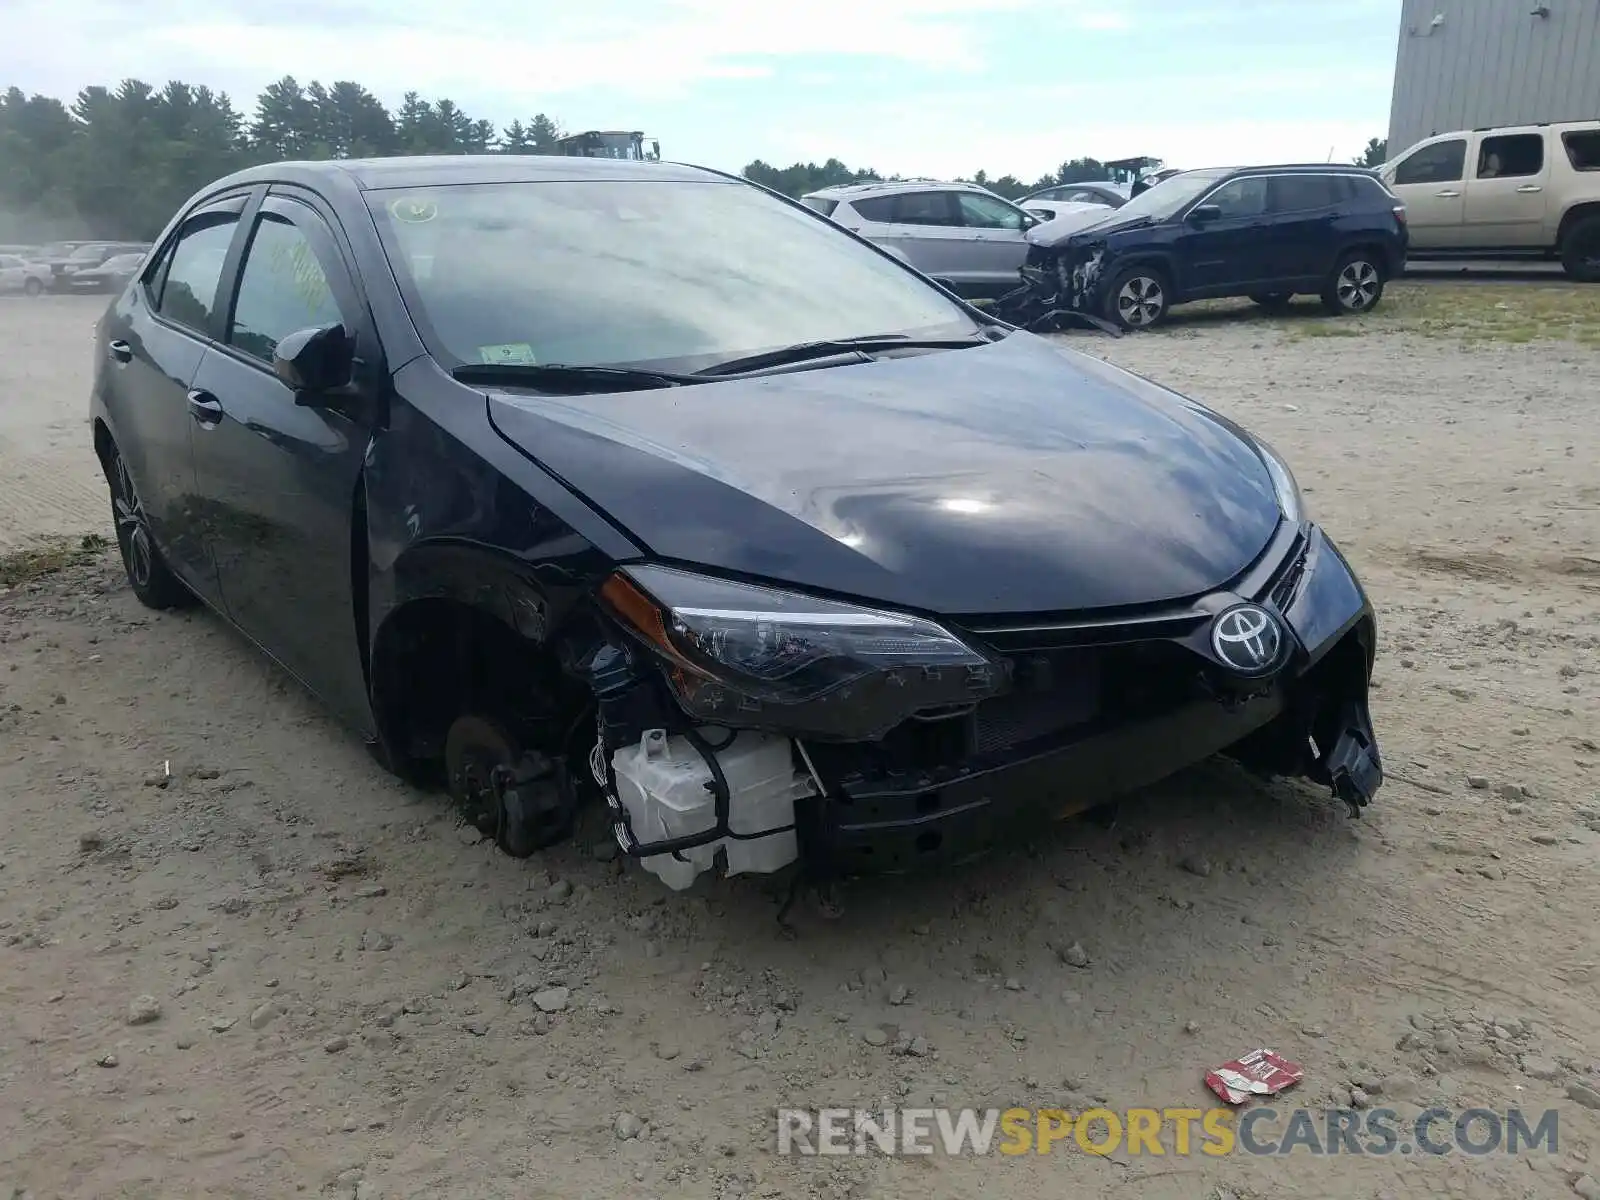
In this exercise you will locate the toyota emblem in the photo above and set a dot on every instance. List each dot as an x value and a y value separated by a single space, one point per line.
1248 639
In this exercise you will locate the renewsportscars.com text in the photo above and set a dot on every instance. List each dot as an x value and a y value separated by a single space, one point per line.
1155 1132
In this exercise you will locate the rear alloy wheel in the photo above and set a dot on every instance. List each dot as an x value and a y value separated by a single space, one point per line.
1356 286
148 574
1580 251
1137 298
33 287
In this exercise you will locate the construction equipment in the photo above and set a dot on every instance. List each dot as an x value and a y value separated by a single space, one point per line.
610 143
1131 170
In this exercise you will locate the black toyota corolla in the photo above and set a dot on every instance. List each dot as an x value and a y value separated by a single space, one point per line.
571 480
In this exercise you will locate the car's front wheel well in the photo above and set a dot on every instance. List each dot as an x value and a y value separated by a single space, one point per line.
435 660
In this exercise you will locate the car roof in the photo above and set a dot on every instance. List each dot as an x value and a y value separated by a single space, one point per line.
1299 169
372 174
891 187
1110 185
1584 124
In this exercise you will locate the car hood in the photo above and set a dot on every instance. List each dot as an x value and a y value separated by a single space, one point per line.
1057 233
1070 220
1005 479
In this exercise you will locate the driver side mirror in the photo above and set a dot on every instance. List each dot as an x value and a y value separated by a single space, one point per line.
1204 214
314 362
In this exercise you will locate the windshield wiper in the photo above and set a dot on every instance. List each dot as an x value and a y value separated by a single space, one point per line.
860 347
559 377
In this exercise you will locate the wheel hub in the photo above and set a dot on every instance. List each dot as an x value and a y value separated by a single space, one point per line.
1140 301
1358 285
133 530
474 749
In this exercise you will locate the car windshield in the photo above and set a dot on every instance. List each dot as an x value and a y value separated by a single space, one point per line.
1168 197
668 274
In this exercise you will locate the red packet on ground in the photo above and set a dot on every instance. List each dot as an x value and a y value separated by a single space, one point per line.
1259 1073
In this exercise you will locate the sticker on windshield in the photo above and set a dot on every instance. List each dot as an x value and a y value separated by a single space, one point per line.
413 210
511 352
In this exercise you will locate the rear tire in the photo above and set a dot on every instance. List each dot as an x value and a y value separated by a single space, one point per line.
1137 298
33 287
1356 284
1580 251
149 576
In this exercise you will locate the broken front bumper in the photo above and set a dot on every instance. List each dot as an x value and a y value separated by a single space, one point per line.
1119 705
1058 285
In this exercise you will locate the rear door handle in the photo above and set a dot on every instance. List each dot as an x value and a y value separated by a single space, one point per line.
205 408
1447 194
1530 187
120 351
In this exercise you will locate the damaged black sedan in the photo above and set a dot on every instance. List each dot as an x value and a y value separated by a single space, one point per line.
574 481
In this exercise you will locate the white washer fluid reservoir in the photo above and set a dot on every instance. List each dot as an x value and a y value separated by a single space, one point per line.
663 784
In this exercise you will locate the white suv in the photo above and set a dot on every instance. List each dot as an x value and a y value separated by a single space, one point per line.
1513 191
964 236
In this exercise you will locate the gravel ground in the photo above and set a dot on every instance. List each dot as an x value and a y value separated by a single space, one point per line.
277 971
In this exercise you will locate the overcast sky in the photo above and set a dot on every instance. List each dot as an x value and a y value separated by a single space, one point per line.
920 87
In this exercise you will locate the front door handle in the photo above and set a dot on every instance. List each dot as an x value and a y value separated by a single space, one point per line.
205 408
1447 194
120 351
1530 187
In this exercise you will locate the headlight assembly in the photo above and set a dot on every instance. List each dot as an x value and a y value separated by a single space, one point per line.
1282 483
742 655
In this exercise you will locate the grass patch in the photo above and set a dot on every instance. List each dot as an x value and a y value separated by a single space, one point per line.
46 557
1515 313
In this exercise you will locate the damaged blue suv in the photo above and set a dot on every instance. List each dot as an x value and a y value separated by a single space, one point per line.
1269 233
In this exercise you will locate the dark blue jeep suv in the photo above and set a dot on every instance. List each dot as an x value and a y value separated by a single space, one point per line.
1269 233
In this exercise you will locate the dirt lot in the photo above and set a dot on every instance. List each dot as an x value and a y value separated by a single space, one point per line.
348 993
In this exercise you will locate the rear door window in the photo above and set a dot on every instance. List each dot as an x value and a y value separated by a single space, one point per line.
879 210
818 204
1303 193
926 208
1512 156
1441 162
188 289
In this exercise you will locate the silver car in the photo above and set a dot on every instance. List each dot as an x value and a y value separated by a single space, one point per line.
17 274
1093 192
962 235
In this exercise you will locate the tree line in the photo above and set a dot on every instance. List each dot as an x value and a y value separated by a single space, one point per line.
117 162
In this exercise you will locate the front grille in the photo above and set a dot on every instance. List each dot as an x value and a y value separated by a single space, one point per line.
1062 686
1051 694
1282 590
